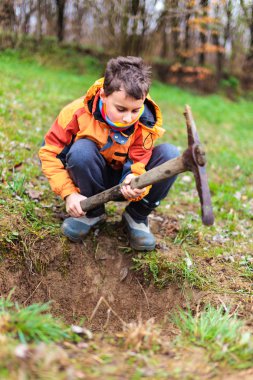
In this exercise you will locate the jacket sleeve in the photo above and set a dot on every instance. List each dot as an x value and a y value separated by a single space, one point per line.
59 135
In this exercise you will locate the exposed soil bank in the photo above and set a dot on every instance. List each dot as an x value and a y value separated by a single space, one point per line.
75 276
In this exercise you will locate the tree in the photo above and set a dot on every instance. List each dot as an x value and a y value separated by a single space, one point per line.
248 15
203 32
185 51
7 14
80 9
216 36
39 21
60 4
175 29
133 27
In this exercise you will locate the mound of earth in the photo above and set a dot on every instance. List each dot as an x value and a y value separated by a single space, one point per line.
75 277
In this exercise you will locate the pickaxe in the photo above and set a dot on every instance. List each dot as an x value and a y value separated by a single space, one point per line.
193 159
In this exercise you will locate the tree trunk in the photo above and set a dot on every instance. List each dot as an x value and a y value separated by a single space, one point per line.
203 35
187 33
60 19
123 30
50 18
248 14
219 57
164 49
39 21
7 14
162 30
175 30
250 54
133 40
216 34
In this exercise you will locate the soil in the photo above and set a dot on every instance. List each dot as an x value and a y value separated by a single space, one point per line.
94 284
74 276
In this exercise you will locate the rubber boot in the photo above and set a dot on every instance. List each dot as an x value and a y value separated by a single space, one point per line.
140 236
76 229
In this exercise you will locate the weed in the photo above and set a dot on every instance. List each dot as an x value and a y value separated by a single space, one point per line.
17 185
247 263
111 209
31 323
106 358
125 250
158 269
186 234
141 336
12 236
222 334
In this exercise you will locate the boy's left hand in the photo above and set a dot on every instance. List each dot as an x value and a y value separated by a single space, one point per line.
127 191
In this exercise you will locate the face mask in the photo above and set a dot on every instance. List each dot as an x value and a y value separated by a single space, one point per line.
117 126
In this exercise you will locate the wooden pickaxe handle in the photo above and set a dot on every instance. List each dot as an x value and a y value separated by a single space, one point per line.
193 159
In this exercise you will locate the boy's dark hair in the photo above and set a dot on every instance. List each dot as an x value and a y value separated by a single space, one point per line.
130 73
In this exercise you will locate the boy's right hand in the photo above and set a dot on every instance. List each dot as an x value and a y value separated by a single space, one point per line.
73 206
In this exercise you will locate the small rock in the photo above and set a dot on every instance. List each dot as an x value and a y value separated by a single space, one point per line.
162 246
82 345
220 238
186 179
81 331
96 232
155 217
238 195
79 375
188 262
22 351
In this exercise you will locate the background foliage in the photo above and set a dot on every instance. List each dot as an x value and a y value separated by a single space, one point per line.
181 36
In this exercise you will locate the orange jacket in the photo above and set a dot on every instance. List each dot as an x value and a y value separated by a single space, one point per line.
80 119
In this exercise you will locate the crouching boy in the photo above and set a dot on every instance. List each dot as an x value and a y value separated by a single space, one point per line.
104 138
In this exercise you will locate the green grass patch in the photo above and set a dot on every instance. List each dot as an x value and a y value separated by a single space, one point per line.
221 333
32 323
162 271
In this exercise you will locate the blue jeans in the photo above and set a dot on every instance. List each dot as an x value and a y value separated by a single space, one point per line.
92 174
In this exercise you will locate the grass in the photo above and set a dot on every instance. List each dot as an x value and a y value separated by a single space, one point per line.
217 259
225 128
30 324
220 332
161 271
24 117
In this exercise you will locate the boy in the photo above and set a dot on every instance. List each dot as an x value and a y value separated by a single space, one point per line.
105 138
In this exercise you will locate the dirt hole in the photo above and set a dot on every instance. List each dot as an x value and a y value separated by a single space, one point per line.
75 276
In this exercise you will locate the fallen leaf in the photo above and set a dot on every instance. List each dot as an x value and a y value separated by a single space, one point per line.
123 273
34 194
186 179
18 166
22 351
82 331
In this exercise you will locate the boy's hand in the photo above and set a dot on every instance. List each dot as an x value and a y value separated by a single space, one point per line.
73 206
127 191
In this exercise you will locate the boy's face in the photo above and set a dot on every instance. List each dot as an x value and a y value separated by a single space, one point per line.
121 108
